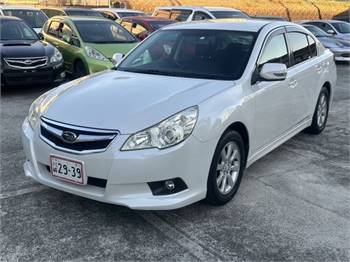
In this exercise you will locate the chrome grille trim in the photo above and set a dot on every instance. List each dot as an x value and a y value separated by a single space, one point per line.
51 133
26 62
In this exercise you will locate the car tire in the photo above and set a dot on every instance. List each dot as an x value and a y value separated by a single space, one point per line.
320 117
79 69
226 168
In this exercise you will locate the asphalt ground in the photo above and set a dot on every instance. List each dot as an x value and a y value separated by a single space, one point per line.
293 205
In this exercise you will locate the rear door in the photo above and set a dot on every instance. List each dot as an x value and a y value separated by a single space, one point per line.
303 73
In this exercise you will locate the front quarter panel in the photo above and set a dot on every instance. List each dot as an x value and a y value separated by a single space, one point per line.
217 113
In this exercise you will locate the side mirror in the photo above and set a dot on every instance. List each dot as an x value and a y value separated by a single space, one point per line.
273 72
117 57
66 39
331 32
74 41
41 36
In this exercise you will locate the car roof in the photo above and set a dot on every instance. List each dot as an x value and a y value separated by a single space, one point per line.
146 18
17 7
81 18
4 17
234 24
124 10
207 8
324 21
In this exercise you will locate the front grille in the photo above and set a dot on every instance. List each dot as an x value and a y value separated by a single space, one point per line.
345 55
27 62
86 140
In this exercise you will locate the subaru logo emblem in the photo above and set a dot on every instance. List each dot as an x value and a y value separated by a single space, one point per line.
27 62
69 137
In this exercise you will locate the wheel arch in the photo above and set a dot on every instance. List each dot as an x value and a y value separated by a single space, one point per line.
243 131
328 86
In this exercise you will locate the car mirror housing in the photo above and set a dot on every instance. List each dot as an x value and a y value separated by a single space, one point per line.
117 57
41 36
331 32
273 72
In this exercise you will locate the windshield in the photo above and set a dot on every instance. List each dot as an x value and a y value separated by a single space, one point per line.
316 31
341 27
16 30
210 54
33 18
228 14
103 32
159 24
83 13
127 14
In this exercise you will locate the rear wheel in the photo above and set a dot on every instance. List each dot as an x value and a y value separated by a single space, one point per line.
79 69
226 169
320 116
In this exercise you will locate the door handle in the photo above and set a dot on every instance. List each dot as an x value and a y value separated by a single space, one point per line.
293 83
319 69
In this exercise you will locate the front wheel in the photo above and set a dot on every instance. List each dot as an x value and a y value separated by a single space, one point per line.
320 117
226 169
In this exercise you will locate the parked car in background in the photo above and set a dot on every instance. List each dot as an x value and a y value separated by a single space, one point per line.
181 117
70 11
26 59
118 13
343 16
274 18
339 47
192 13
143 26
338 29
34 17
87 43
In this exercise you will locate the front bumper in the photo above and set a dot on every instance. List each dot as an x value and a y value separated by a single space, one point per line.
42 75
341 55
127 173
95 66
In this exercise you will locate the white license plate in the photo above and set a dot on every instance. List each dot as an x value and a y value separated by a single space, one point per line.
68 169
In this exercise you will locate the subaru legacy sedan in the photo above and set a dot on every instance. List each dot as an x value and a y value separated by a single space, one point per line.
180 117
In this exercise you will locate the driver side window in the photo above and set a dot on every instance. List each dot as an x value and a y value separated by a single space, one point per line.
275 51
200 16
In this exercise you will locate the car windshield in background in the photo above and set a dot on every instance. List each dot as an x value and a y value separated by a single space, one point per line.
342 27
83 13
103 32
316 31
228 14
208 54
159 24
16 30
33 18
127 14
180 15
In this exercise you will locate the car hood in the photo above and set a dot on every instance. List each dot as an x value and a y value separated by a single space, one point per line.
20 48
333 42
108 50
128 102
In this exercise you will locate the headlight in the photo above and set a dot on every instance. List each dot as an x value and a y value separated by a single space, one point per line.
93 53
168 133
36 110
57 57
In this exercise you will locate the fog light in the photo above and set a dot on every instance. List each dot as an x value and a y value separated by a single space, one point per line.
63 74
167 187
170 185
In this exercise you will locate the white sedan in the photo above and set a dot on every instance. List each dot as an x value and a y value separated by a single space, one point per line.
180 118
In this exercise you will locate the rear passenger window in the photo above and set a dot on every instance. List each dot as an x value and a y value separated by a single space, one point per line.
312 44
299 47
275 51
163 13
53 28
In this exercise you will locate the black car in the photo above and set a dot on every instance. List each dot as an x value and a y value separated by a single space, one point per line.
25 58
